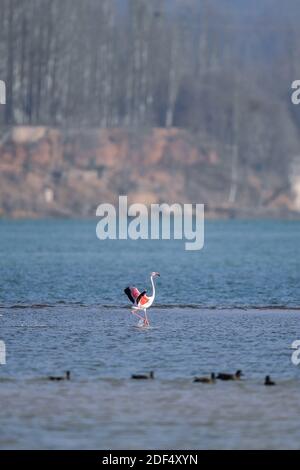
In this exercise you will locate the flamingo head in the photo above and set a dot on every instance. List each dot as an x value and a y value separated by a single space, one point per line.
155 274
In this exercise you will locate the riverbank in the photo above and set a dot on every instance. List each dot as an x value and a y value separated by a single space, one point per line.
50 172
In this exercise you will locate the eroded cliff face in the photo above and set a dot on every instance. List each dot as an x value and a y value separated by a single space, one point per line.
51 172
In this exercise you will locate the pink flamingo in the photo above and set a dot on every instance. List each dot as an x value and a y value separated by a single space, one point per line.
141 302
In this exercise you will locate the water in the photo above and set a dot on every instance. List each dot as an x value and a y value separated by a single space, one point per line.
233 305
243 264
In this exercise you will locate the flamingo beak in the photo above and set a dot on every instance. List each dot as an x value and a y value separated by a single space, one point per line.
157 274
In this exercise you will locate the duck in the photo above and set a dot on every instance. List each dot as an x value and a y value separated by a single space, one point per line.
58 378
206 380
143 376
236 376
268 381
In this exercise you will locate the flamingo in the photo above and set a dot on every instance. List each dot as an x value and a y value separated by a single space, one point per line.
140 300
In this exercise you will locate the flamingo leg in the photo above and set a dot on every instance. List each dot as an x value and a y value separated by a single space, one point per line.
146 318
137 315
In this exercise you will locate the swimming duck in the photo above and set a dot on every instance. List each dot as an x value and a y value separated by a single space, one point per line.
206 380
58 378
143 376
268 381
235 376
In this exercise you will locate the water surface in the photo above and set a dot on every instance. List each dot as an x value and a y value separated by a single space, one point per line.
233 305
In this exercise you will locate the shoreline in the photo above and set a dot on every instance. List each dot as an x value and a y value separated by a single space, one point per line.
219 214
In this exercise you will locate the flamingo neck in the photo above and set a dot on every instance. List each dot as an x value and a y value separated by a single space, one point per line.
153 287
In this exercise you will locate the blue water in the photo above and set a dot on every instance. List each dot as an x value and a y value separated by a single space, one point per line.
243 264
235 304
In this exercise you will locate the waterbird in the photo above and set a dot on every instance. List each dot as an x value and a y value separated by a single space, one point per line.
236 376
206 380
143 376
58 378
141 302
268 381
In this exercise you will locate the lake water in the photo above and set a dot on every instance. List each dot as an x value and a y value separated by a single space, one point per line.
234 304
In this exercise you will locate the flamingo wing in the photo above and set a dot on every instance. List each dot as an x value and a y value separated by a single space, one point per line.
132 293
142 297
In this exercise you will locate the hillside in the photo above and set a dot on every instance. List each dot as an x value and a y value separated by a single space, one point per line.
50 172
